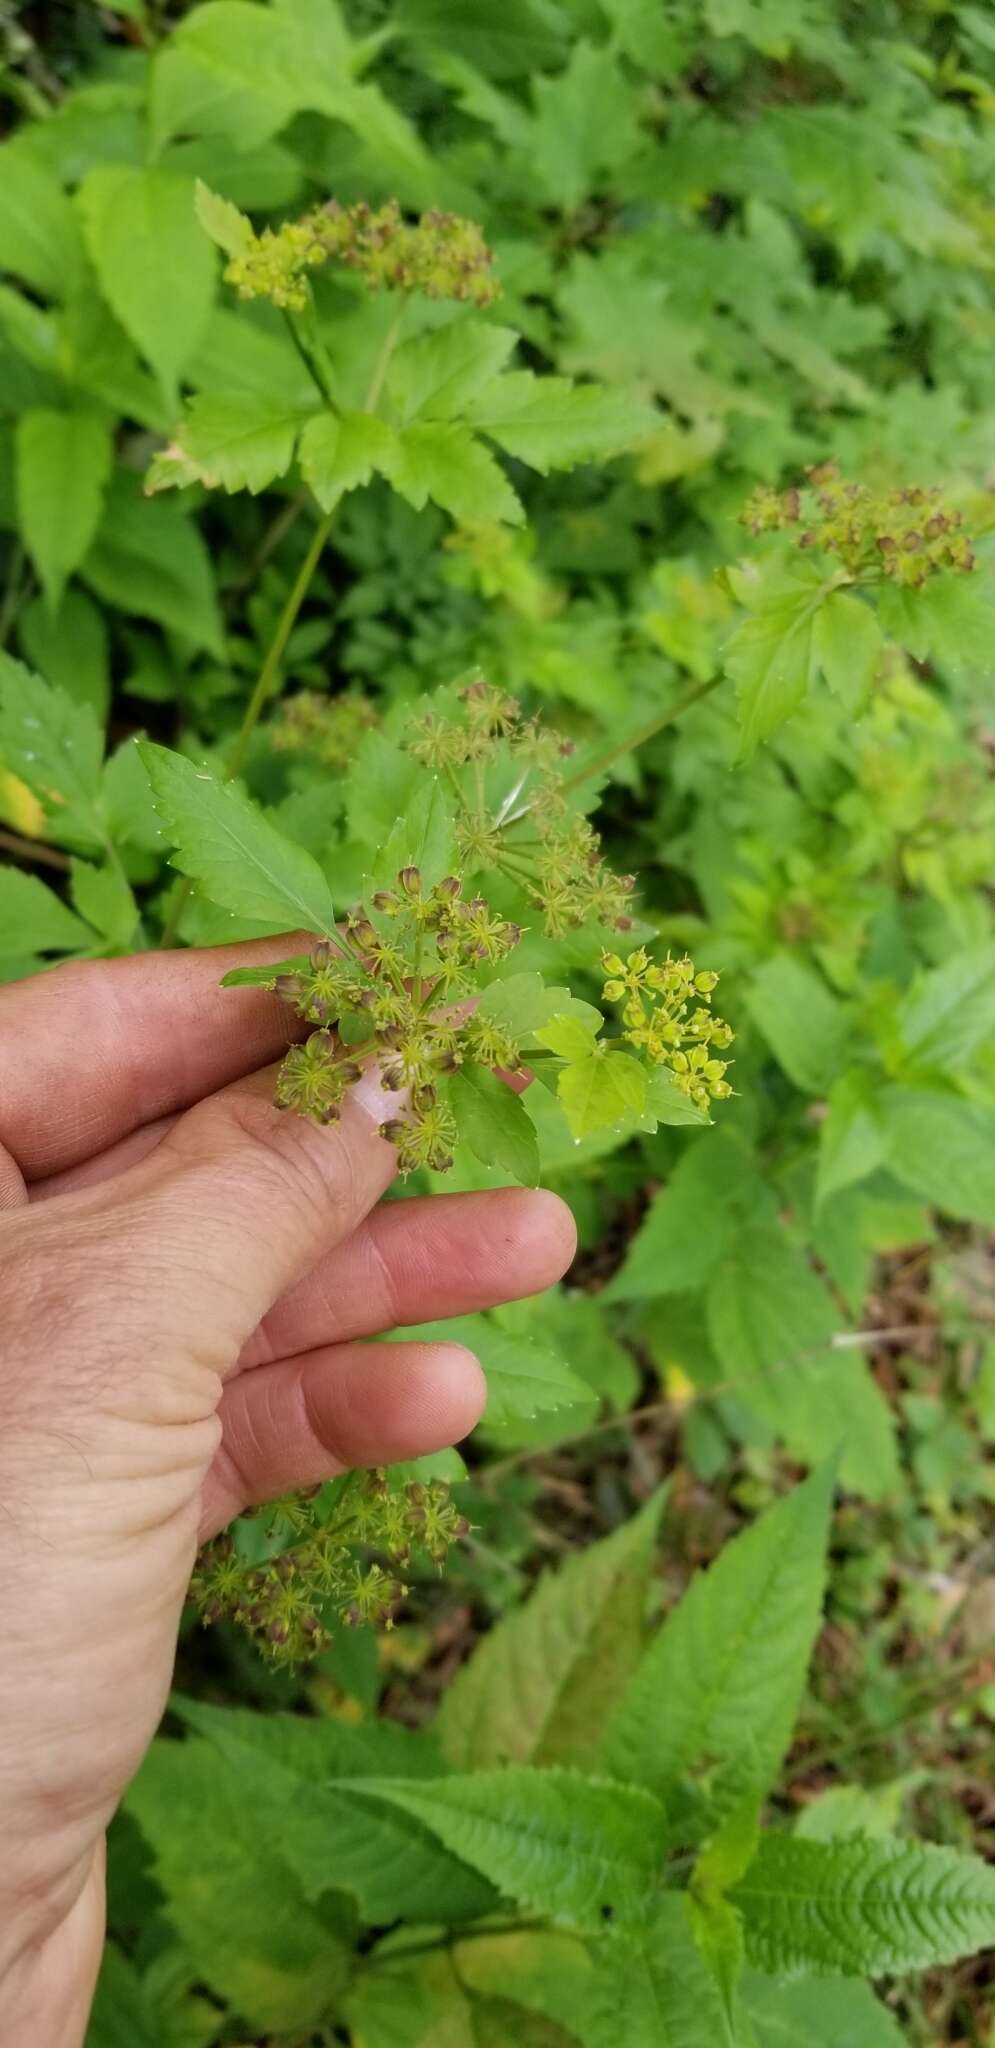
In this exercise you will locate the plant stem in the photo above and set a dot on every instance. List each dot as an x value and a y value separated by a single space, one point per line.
382 363
33 850
646 732
257 701
277 648
274 534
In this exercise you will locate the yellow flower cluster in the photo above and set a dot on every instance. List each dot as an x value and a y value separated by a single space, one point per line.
665 1015
440 254
907 534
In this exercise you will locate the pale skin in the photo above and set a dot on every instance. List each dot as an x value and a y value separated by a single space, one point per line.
187 1278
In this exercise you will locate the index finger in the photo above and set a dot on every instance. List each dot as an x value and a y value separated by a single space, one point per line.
91 1051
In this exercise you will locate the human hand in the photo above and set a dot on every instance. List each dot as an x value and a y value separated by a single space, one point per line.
185 1278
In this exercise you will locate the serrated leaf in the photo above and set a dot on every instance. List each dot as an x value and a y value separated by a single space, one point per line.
495 1124
33 919
236 1905
771 659
445 462
63 463
56 746
539 1686
951 1010
223 841
721 1683
852 1142
772 1322
847 644
862 1907
525 1377
391 1863
434 376
552 1839
657 1992
523 1004
341 454
149 560
156 269
553 423
943 1147
805 1025
713 1191
238 441
423 838
600 1090
818 2013
226 226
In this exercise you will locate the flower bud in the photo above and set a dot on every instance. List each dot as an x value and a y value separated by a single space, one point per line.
409 880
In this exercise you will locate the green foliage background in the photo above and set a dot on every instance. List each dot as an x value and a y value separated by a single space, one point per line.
768 229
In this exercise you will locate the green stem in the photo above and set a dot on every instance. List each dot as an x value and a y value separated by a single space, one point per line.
646 732
277 648
314 369
33 850
261 693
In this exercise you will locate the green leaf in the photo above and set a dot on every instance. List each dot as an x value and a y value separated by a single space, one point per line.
720 1686
39 235
525 1377
539 1686
235 1904
601 1089
941 1146
553 423
524 1005
149 559
155 267
63 463
712 1193
805 1026
292 1768
228 68
56 746
446 463
847 643
435 376
772 1323
863 1908
222 840
569 1036
495 1124
771 657
33 919
658 1992
72 649
103 897
668 1104
551 1839
818 2013
239 442
423 838
852 1143
221 221
547 1973
340 455
951 1010
504 39
718 1932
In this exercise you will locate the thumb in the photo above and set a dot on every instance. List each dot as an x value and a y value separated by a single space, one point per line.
236 1203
